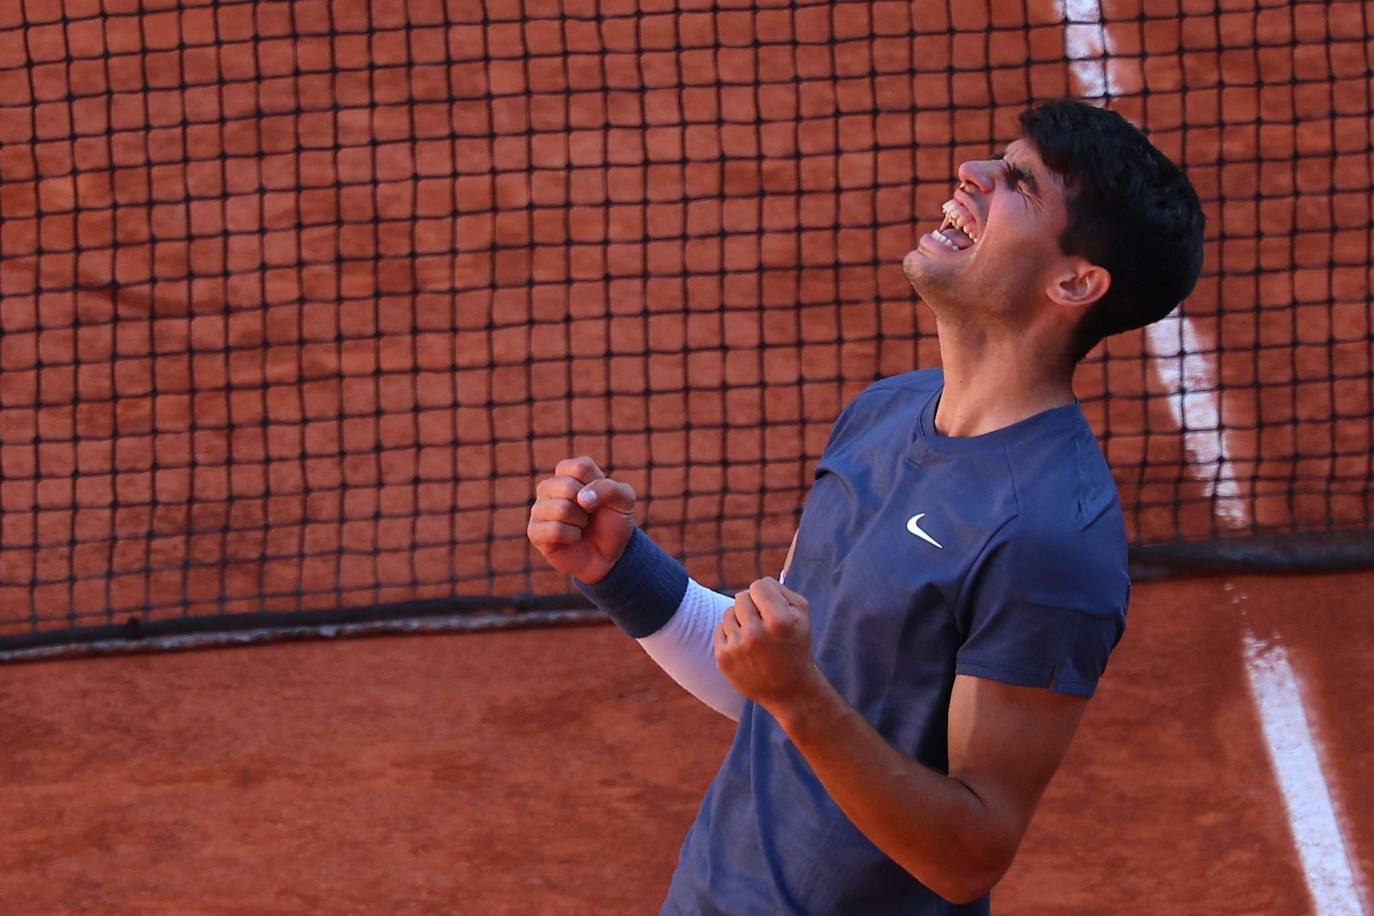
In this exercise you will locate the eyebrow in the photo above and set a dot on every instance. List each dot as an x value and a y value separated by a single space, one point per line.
1021 172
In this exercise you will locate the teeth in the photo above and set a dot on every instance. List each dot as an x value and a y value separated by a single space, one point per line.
948 244
955 217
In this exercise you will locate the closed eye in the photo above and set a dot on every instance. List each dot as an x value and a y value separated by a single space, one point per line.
1017 174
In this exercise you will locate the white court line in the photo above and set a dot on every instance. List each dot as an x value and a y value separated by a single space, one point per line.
1189 376
1087 43
1188 373
1326 860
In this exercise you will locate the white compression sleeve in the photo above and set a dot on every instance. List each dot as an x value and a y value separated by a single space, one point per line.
684 647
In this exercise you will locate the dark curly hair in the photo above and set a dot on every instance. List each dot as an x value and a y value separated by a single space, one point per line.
1131 211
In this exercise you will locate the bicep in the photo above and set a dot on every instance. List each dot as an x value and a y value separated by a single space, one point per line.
1005 743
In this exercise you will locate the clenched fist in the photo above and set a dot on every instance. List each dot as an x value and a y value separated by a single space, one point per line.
581 519
763 644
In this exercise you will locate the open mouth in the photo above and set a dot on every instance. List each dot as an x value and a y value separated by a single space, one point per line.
959 231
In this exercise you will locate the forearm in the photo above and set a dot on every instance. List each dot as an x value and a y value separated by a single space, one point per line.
649 596
682 648
932 825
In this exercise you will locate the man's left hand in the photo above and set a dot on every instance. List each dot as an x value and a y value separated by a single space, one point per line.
763 644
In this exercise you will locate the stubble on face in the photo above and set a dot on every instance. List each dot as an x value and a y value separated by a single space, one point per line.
984 287
951 292
933 287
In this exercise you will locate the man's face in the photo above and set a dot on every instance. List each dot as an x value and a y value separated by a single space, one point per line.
998 244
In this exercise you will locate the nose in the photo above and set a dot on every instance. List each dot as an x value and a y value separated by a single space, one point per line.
979 173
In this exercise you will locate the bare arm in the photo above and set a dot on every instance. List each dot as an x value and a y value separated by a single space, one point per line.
957 834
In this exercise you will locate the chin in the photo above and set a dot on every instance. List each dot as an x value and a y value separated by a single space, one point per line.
930 287
924 276
911 265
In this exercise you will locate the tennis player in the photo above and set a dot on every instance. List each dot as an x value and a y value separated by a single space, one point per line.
958 579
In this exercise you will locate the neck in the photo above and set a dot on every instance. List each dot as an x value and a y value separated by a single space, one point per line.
993 382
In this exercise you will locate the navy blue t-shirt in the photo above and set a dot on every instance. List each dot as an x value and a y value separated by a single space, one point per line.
1001 556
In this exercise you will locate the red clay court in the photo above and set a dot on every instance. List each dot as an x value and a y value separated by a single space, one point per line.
297 300
556 771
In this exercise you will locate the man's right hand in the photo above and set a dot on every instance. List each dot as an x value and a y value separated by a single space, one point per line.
581 519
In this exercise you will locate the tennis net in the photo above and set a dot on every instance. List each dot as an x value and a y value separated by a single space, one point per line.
298 299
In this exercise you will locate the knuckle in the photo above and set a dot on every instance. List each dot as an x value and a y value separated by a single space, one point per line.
577 469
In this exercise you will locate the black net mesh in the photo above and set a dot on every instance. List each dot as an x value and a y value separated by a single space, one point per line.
298 299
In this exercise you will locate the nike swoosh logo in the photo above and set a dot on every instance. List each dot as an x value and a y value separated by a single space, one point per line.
913 525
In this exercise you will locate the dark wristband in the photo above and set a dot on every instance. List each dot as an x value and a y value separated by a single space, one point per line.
643 590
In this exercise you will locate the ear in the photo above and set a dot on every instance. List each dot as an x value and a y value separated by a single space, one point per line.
1078 284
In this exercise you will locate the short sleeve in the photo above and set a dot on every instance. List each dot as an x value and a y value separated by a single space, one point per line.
1022 626
1034 645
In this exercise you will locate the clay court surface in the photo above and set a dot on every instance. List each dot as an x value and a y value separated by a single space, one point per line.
555 771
